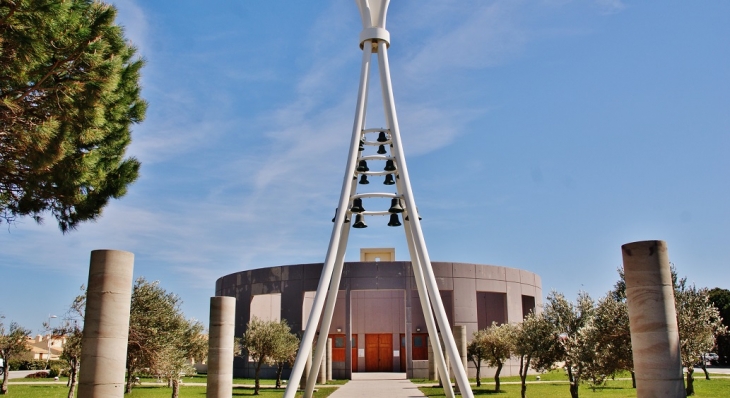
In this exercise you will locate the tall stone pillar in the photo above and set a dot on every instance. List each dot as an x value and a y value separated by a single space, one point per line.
459 332
220 347
653 320
329 359
323 369
106 324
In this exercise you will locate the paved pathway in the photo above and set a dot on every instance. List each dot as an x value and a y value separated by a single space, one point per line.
371 385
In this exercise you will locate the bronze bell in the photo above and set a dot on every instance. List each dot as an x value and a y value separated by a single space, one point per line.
389 165
381 150
389 179
362 166
362 145
357 206
395 206
364 180
382 137
335 217
394 221
359 222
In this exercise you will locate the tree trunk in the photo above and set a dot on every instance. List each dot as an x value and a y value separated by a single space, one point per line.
573 382
633 379
279 370
524 366
496 376
478 366
256 376
6 369
130 381
72 376
690 381
175 388
704 368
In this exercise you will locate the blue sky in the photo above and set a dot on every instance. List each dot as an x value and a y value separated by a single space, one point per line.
539 135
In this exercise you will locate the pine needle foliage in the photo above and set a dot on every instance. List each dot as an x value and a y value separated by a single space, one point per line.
69 92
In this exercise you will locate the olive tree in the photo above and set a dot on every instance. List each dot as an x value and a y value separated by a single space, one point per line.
13 343
699 322
494 345
268 342
534 339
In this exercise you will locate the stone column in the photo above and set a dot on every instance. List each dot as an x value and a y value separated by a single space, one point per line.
106 324
220 347
459 332
307 370
323 368
329 359
653 320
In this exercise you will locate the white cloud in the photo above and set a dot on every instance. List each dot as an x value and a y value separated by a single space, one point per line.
134 20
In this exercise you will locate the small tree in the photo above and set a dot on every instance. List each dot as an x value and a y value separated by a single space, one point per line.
285 354
74 335
155 318
699 322
476 350
493 345
574 346
266 342
13 343
534 339
186 345
611 338
720 298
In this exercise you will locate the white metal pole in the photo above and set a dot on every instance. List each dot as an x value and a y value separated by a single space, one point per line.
329 308
427 313
327 269
390 113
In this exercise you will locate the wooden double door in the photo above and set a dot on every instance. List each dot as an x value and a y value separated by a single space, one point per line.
379 352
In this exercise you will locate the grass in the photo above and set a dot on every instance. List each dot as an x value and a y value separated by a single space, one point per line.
554 384
61 391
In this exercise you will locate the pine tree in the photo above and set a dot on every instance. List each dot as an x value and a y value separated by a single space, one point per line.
69 92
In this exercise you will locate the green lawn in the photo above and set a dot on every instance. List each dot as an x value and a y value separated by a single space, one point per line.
554 384
61 391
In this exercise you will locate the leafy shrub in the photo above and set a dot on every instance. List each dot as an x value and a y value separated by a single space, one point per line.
37 375
54 372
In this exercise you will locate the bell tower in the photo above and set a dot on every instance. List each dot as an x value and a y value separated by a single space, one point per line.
374 42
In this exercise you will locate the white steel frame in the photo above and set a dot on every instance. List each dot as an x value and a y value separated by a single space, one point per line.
374 38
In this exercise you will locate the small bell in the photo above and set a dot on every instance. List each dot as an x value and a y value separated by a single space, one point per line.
335 217
364 180
389 165
362 166
359 222
394 221
362 145
389 179
395 206
357 206
381 150
382 137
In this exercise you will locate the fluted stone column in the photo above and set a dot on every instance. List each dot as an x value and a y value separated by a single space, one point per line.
323 369
653 320
106 324
220 347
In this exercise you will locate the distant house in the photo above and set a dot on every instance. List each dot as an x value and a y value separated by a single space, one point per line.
43 346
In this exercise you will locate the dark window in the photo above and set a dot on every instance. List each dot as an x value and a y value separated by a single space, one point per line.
417 341
528 305
339 342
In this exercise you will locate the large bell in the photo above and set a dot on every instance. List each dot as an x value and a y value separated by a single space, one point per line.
359 222
389 180
394 221
357 206
382 137
395 206
364 180
362 166
381 150
335 217
389 165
